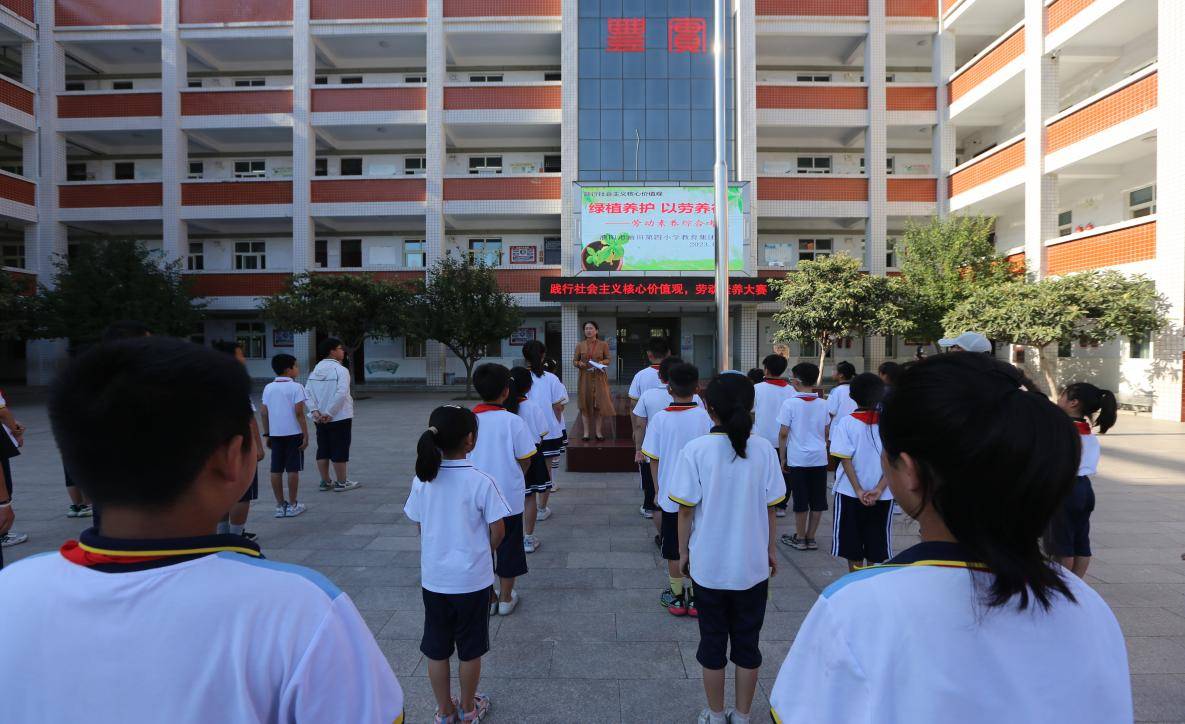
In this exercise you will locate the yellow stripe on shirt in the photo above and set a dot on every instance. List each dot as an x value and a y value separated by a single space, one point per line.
842 457
681 501
173 552
650 455
770 505
524 457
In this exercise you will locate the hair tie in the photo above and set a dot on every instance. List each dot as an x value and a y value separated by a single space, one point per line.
432 429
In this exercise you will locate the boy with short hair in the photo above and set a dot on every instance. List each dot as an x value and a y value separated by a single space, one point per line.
503 451
768 396
647 378
332 408
236 520
286 431
863 501
839 400
647 406
802 447
173 612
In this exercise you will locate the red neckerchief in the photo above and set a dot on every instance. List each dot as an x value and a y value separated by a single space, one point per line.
488 406
680 406
89 556
776 381
1083 427
654 367
807 397
868 417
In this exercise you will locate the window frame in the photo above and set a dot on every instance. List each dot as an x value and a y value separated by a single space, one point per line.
320 167
195 256
74 166
321 253
416 249
815 252
476 168
251 170
250 333
200 171
556 167
414 348
351 80
415 165
341 253
341 167
814 167
123 85
119 170
810 77
1147 207
487 77
1065 228
250 82
14 251
556 251
254 250
481 246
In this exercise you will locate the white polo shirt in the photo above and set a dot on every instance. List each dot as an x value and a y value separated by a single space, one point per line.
455 511
502 440
858 438
328 390
916 643
221 638
656 399
536 419
805 414
1089 462
667 433
768 397
645 379
839 401
280 398
548 391
729 546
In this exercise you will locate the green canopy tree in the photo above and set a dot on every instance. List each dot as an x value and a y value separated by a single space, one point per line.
105 281
942 263
15 307
829 299
1093 306
463 308
351 307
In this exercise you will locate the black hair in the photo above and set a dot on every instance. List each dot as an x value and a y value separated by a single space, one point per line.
775 364
664 368
846 369
730 398
551 366
226 346
1095 399
448 426
180 402
594 324
125 329
683 379
533 353
520 379
994 458
808 372
328 345
282 362
658 346
755 375
490 380
867 390
891 370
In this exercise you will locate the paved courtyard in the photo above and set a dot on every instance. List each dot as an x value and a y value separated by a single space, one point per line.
589 642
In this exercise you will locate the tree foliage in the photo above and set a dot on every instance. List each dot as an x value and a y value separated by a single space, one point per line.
942 263
106 281
15 308
829 299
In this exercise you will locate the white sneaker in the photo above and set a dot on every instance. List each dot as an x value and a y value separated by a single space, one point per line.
344 485
531 543
706 717
281 511
544 514
780 512
505 609
13 539
645 513
295 509
494 606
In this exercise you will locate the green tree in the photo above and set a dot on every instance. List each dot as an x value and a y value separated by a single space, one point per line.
463 308
942 263
1093 306
829 299
106 281
351 307
15 308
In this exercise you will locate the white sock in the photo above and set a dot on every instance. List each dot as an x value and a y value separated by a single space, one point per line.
237 529
717 717
223 527
739 718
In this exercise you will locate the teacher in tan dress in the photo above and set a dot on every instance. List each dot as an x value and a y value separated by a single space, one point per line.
592 359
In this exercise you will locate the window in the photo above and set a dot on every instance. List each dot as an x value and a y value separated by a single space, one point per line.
890 346
813 78
12 255
250 255
196 83
195 260
413 348
321 80
75 85
351 252
485 164
121 85
551 249
814 164
552 75
13 168
321 254
551 163
1065 223
890 253
351 167
889 166
321 167
125 170
811 249
415 79
253 338
1141 202
250 169
413 253
350 80
485 78
196 169
76 172
248 82
493 348
889 77
486 251
809 349
415 165
1140 347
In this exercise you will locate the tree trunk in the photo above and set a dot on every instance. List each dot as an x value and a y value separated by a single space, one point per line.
353 366
468 377
1047 361
822 359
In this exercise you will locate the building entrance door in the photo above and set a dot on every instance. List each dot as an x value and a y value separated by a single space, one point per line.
632 335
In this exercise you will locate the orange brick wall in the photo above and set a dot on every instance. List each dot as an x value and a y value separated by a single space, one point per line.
501 189
838 8
1017 261
1135 243
522 281
106 12
362 9
367 190
529 97
92 196
811 97
237 285
235 11
948 5
501 8
350 100
111 105
812 188
26 282
912 189
1127 102
232 193
13 95
998 164
1000 56
16 189
1059 11
911 8
911 99
218 103
24 8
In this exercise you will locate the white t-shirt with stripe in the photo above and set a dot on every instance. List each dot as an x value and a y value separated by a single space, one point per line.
667 433
655 399
645 379
858 438
806 417
502 440
1089 462
840 402
767 403
548 390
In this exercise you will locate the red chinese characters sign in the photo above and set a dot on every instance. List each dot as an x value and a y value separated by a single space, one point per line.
684 35
652 289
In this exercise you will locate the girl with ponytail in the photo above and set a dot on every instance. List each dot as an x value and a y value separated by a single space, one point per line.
551 395
726 484
459 512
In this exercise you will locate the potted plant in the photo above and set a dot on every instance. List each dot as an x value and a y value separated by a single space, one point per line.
606 253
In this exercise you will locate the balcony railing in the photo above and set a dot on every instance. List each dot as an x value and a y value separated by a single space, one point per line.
235 101
911 8
1131 97
1112 245
502 8
367 190
812 188
1059 12
233 193
236 11
985 167
236 284
106 104
917 190
812 96
503 188
355 99
367 9
995 57
71 13
503 97
16 95
828 8
23 8
900 97
109 194
17 188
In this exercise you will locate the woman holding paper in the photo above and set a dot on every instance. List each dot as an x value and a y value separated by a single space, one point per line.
592 359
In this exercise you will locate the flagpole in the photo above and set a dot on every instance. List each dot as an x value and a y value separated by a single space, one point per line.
720 185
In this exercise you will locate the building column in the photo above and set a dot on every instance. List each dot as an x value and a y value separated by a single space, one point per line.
304 152
876 147
1041 102
746 338
943 141
570 334
569 137
174 143
746 123
434 151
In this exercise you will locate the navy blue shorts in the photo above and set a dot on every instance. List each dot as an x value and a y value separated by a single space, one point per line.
808 486
730 620
252 491
648 490
1069 532
333 440
670 536
510 560
287 457
456 620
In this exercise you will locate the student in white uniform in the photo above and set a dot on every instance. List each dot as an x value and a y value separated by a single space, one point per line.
667 432
727 483
552 396
1069 535
839 400
863 501
802 444
648 378
459 511
652 401
538 475
972 625
768 395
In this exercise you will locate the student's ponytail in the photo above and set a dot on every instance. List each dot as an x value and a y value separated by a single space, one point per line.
511 403
730 398
448 426
1108 411
1095 400
533 353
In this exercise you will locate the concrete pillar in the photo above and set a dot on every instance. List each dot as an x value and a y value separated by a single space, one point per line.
876 147
569 136
434 151
570 334
746 121
746 334
174 142
304 151
944 132
1041 102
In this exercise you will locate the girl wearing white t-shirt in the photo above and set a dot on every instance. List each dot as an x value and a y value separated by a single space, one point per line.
552 397
863 501
537 478
727 483
972 625
459 512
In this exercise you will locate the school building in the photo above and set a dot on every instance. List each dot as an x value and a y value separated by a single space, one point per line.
252 139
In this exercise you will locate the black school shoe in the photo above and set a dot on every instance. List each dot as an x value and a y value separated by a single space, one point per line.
792 540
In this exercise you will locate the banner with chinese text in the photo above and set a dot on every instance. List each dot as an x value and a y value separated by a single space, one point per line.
653 289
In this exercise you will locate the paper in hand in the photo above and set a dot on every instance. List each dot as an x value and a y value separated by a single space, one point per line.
598 365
